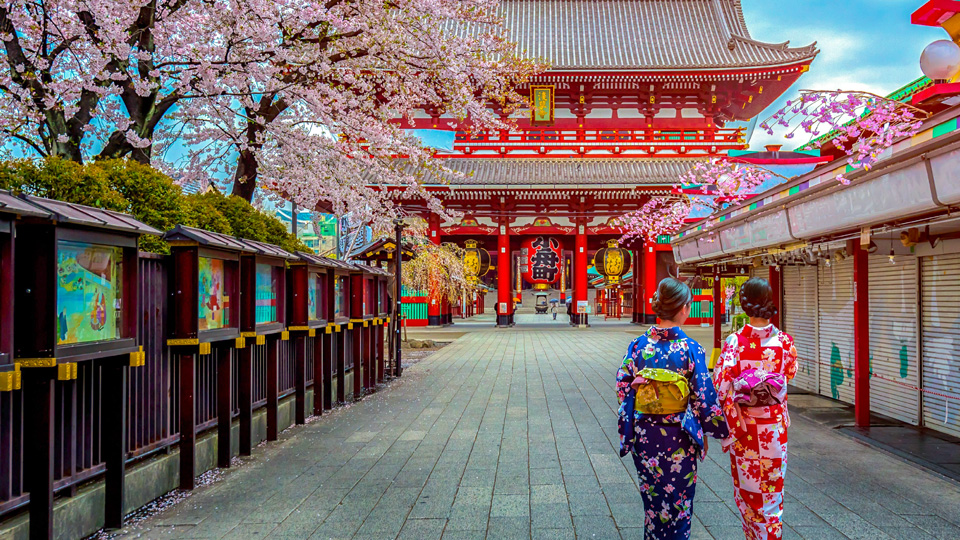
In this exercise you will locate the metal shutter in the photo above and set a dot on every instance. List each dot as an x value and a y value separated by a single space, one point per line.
835 304
800 321
941 336
893 337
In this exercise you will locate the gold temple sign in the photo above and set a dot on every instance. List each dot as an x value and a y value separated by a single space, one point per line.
471 260
541 97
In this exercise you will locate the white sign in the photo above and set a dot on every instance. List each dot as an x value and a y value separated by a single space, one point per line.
503 308
583 307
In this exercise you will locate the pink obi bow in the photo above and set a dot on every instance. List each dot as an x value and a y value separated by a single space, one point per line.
759 388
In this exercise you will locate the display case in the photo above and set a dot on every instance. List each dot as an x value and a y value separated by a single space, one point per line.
12 209
307 292
263 271
76 283
205 286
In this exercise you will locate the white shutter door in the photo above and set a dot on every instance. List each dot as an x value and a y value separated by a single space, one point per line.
940 289
800 321
835 302
893 337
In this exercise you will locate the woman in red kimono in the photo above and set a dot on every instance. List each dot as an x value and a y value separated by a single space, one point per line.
755 365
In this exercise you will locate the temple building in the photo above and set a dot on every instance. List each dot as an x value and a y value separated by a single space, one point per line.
636 93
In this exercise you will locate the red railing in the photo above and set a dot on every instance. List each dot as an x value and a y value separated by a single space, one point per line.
614 141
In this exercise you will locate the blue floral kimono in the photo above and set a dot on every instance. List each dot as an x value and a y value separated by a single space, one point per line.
666 447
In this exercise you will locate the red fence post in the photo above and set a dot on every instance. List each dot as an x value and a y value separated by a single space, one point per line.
300 379
38 411
188 421
224 405
717 316
320 380
341 359
114 439
861 336
245 397
273 389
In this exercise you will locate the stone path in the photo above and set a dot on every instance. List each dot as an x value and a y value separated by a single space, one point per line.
512 434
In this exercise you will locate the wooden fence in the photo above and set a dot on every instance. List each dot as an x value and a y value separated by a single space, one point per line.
153 396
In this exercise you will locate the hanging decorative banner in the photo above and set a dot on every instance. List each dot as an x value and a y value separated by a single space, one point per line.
476 260
541 98
612 262
540 261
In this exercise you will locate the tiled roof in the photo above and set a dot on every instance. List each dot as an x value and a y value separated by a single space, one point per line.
566 172
78 214
207 238
642 34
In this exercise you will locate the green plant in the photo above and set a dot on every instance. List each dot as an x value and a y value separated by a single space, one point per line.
147 194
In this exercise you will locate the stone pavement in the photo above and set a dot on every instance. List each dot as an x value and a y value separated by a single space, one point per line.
512 434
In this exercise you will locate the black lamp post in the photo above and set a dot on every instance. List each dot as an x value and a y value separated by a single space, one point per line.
397 313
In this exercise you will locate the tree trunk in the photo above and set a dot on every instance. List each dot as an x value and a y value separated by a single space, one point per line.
245 178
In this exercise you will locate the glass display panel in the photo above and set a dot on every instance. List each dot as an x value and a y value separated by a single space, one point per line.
313 295
214 300
89 292
368 297
340 297
268 289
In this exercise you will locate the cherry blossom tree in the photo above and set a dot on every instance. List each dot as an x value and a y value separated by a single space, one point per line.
95 78
301 97
861 124
708 184
320 125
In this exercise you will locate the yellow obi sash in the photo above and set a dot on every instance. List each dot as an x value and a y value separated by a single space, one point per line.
665 392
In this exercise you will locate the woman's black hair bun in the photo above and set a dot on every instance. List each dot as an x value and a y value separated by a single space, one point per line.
756 299
671 297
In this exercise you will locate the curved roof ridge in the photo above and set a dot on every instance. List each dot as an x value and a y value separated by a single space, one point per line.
784 46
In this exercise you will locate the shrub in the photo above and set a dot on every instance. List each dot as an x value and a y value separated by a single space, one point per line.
147 194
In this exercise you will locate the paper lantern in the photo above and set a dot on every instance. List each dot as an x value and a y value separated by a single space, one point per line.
476 260
540 261
612 262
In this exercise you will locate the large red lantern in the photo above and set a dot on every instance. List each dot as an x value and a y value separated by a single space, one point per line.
540 261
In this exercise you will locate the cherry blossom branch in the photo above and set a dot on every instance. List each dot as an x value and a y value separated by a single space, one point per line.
861 124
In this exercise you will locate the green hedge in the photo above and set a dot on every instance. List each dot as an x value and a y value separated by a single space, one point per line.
147 194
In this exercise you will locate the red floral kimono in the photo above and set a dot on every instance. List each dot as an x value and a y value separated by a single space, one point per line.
758 441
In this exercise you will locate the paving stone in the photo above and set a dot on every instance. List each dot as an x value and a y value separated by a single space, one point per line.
486 440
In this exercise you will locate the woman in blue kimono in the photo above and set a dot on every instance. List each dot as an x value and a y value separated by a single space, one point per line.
664 427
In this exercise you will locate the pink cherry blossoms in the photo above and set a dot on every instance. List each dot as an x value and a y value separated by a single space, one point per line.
708 184
864 125
300 97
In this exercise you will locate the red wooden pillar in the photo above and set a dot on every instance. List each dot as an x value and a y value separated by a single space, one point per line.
368 376
861 335
504 283
273 387
224 405
580 272
435 315
777 285
637 282
649 280
188 422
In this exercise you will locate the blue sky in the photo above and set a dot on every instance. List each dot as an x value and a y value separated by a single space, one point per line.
864 45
